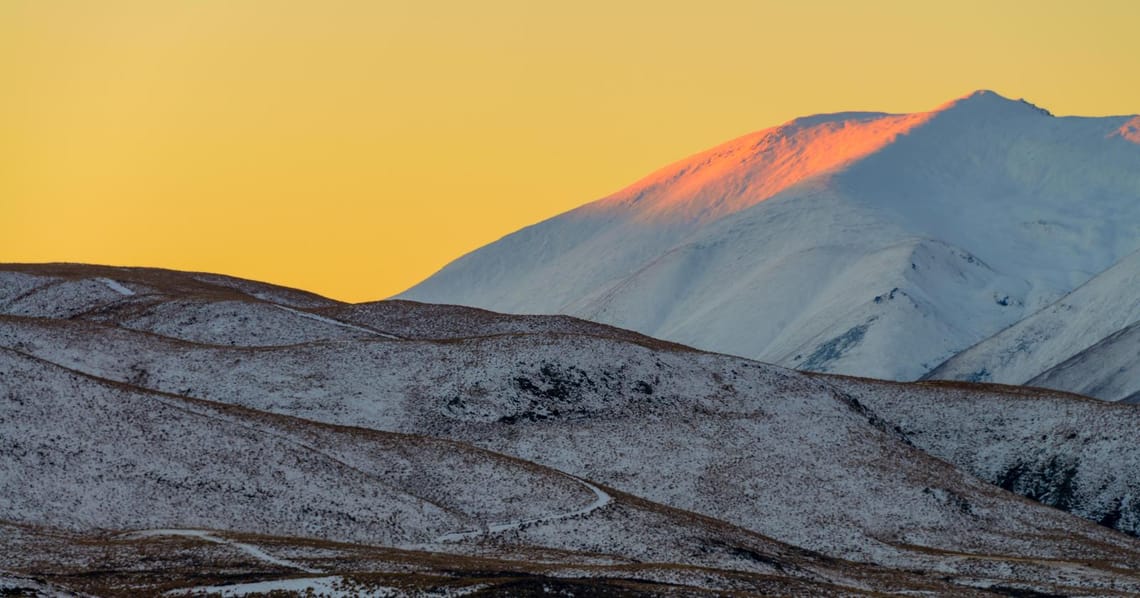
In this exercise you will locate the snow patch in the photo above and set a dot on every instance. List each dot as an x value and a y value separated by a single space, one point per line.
116 286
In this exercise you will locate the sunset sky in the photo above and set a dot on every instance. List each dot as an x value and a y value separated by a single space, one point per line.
353 147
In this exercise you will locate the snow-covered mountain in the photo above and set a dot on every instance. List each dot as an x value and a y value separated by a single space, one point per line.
863 243
267 437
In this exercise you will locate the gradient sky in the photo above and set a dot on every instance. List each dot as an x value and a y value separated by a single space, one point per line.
354 147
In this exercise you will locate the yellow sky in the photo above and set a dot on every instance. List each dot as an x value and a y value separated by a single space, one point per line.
353 147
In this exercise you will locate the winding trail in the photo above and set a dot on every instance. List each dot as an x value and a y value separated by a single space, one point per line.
298 586
323 319
249 549
602 499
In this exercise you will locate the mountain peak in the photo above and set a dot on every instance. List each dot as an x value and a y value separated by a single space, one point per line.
985 95
986 101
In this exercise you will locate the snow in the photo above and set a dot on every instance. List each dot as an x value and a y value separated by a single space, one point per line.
775 246
116 286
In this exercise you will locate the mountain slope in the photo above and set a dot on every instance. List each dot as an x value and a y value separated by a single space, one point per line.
146 460
1068 345
1107 370
872 244
1066 451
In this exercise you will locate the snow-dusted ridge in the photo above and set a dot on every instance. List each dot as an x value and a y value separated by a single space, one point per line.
552 452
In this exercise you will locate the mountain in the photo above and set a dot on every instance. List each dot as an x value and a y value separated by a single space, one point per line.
255 438
860 243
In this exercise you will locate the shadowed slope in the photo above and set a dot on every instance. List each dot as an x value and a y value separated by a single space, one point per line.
1081 343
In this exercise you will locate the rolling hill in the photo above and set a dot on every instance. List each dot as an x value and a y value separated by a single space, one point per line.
256 438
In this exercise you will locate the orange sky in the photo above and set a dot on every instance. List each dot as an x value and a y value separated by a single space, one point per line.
353 147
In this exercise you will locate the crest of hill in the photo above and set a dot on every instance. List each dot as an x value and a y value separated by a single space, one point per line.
221 310
21 280
431 321
196 307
